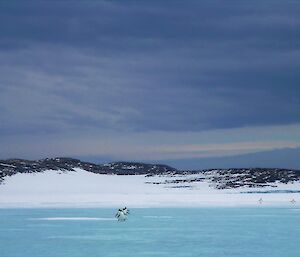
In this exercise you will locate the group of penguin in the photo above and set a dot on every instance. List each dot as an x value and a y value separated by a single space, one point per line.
260 201
121 214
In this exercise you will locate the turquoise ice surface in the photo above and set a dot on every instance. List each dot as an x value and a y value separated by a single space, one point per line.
159 232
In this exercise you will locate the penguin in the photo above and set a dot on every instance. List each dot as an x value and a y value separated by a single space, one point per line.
120 215
126 211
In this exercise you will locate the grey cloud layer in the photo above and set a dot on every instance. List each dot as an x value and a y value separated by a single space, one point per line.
88 66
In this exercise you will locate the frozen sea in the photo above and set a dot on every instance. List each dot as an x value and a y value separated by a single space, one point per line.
161 232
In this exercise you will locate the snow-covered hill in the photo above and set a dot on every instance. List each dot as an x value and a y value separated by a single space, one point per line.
69 182
218 178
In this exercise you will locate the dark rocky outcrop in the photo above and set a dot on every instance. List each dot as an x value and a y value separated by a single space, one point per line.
235 178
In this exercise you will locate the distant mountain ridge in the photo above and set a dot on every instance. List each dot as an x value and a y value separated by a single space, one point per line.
13 166
221 178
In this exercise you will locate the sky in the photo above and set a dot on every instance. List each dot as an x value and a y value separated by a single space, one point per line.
194 84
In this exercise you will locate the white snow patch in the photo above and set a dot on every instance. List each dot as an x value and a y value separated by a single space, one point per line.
73 218
7 165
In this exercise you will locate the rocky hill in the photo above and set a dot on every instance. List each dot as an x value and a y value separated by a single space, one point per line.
14 166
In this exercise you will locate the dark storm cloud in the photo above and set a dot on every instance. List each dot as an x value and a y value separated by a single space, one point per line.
148 65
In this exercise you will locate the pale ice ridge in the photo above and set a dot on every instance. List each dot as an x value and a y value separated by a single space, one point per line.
73 218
